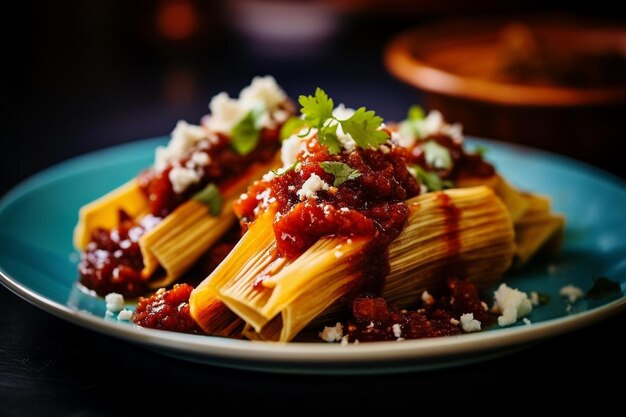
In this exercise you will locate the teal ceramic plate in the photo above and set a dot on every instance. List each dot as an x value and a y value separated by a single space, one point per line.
38 263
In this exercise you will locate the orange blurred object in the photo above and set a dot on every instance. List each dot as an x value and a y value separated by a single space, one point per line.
177 19
554 83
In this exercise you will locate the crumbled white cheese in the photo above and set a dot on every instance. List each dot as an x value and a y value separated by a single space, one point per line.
181 178
397 330
263 96
183 138
338 254
427 298
571 292
200 158
290 149
345 340
269 176
526 321
263 91
344 210
512 304
484 305
432 124
371 325
125 315
311 186
341 112
332 334
469 323
454 322
114 302
534 298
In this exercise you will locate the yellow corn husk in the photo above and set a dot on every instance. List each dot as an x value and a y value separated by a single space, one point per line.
216 318
481 251
177 242
512 198
104 212
538 230
294 294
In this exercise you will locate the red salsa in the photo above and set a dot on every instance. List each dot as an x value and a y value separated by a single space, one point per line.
167 310
112 261
370 205
373 320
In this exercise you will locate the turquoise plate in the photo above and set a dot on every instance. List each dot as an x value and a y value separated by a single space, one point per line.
38 262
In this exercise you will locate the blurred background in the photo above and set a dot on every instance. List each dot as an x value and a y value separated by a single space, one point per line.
88 75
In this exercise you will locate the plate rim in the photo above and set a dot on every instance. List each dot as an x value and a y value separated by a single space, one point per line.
304 353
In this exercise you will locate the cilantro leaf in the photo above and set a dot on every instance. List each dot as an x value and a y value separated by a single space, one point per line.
416 113
342 172
291 127
437 156
245 134
431 180
281 171
363 127
327 136
318 109
211 197
481 150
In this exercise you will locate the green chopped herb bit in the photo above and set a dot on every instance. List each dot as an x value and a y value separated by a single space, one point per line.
431 180
362 126
411 127
416 113
211 197
292 126
437 156
246 134
481 150
281 171
342 172
603 287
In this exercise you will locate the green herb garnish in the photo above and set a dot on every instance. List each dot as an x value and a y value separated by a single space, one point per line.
481 150
246 134
437 156
291 127
211 197
342 172
416 113
281 171
362 126
603 287
411 127
431 180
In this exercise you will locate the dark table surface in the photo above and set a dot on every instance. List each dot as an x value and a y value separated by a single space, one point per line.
82 86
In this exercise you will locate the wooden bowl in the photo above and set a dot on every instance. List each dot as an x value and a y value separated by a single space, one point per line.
457 66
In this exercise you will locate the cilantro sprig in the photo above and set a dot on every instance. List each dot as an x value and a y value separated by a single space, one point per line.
342 172
362 126
246 133
211 197
431 180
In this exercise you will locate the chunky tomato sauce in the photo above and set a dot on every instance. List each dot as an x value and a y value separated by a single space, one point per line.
370 205
167 310
112 261
373 320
